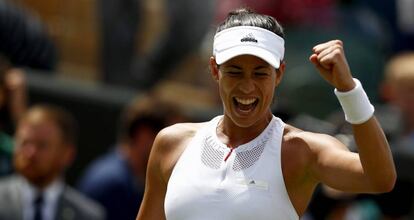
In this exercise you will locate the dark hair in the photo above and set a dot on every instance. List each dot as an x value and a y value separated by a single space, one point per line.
24 39
247 17
142 112
63 119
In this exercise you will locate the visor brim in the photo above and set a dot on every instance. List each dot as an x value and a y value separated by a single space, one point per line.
225 55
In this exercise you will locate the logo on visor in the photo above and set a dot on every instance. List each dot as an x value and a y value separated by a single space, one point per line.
249 38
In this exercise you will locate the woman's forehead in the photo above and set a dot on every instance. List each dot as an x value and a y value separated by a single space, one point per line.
246 60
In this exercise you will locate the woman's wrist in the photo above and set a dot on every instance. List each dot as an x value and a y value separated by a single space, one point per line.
355 104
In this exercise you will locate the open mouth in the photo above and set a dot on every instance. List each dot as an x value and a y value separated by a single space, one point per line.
245 105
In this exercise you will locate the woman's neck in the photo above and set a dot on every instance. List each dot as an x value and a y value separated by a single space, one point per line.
233 136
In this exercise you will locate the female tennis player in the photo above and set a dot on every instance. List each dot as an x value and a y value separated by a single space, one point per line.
247 163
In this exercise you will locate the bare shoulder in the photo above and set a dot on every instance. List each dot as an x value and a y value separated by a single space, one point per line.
170 143
309 140
177 133
296 153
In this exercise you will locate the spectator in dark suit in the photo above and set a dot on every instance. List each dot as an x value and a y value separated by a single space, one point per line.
44 148
116 180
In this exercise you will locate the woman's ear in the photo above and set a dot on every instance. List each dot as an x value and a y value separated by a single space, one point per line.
214 69
280 72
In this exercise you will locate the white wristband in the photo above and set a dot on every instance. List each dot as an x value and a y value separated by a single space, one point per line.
355 104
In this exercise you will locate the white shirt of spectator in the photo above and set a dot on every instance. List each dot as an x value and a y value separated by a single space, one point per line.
50 196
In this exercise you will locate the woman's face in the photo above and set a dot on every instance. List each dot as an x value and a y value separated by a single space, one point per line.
246 86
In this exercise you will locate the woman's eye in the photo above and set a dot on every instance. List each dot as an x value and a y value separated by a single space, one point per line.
261 74
233 72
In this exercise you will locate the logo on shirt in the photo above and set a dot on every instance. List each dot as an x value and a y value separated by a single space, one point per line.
249 38
259 184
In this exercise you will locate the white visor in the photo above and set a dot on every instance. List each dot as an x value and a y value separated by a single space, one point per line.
248 40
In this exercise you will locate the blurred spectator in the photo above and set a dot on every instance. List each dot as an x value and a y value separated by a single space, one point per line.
116 180
188 22
399 16
12 106
45 147
23 39
398 92
23 43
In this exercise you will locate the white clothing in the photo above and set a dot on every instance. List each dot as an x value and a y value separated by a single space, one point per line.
213 182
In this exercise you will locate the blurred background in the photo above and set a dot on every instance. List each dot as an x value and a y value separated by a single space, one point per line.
93 57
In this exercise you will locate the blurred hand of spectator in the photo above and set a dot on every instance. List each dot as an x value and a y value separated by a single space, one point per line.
12 106
15 85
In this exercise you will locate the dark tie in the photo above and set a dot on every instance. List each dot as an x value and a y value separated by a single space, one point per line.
38 204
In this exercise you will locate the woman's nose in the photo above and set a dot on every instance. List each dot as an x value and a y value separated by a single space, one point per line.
247 85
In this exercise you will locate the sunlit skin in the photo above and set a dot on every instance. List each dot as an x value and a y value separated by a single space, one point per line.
250 79
40 153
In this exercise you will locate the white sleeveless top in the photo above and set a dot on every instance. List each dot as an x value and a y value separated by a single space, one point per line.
213 182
